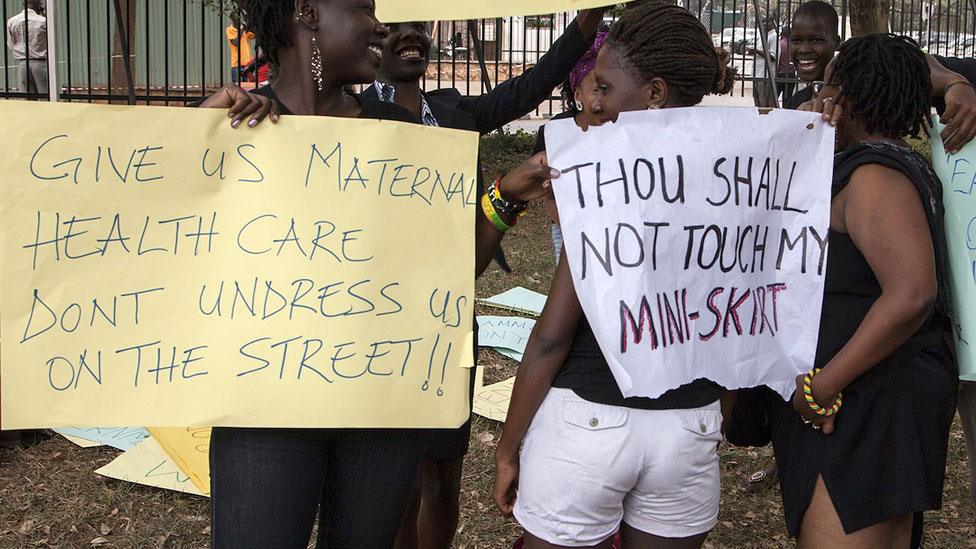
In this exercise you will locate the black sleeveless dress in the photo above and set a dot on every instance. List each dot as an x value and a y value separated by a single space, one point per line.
887 455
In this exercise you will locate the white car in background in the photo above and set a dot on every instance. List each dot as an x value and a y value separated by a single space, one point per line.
737 39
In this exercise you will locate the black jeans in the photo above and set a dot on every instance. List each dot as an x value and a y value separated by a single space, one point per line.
268 485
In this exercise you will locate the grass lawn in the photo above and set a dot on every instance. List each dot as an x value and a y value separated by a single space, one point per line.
50 497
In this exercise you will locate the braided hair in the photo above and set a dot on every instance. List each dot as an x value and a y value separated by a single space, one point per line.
269 20
658 39
886 82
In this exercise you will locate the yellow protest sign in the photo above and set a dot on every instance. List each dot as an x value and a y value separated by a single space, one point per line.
161 268
398 11
189 448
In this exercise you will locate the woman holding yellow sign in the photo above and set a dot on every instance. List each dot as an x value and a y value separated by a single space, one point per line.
268 485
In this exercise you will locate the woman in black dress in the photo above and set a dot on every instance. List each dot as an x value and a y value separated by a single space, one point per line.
854 479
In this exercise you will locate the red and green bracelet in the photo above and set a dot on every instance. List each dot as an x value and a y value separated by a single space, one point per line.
812 402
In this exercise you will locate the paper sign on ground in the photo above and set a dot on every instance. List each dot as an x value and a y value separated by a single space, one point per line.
514 355
147 464
491 401
518 299
121 438
504 332
958 175
398 11
84 443
189 448
697 242
161 268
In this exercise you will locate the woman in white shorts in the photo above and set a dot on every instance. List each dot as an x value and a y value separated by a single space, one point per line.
593 462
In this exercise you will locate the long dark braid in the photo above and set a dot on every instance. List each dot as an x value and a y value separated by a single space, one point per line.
886 82
269 20
658 39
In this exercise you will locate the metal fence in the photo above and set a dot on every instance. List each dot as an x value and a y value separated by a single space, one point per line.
178 51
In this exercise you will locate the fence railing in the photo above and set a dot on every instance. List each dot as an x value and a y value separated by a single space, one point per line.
178 51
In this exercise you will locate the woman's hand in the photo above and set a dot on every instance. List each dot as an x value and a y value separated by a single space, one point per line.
811 418
959 116
241 105
826 103
529 181
506 482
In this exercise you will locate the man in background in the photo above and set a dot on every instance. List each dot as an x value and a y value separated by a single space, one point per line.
241 53
763 90
27 39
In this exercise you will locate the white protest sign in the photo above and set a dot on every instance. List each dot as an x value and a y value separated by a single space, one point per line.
697 240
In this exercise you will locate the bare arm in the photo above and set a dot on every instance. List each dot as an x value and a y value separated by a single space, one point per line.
882 212
545 353
527 182
518 96
959 97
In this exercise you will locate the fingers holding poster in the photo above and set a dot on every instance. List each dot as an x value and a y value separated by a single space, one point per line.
394 11
697 241
187 274
958 176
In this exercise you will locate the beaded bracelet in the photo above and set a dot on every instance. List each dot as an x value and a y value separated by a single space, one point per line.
508 207
812 402
489 210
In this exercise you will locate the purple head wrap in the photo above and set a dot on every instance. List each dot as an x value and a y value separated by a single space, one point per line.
588 62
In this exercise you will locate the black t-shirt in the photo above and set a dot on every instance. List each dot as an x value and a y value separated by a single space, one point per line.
587 373
540 136
798 98
368 109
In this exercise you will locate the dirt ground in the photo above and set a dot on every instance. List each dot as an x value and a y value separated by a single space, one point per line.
50 497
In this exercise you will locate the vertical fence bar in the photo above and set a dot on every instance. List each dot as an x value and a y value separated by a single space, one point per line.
148 31
52 51
166 52
67 49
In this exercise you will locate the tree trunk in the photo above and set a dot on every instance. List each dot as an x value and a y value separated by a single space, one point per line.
118 69
869 16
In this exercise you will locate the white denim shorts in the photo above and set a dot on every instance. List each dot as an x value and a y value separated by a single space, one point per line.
587 467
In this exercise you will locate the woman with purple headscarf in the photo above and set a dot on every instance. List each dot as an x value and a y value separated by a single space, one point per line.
578 94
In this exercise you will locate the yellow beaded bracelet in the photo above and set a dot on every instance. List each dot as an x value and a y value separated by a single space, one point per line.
489 210
812 402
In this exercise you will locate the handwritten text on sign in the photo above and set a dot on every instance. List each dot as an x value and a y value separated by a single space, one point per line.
160 268
958 175
697 239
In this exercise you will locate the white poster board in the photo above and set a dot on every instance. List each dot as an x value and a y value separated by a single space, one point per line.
697 240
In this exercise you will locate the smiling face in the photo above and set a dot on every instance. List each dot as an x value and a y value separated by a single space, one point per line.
351 40
812 46
406 52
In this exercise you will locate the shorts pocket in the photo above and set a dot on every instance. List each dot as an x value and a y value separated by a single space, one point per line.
705 422
592 416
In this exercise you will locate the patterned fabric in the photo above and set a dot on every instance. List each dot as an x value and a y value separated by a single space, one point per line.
386 93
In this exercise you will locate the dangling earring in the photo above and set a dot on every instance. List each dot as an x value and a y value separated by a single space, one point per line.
317 64
579 105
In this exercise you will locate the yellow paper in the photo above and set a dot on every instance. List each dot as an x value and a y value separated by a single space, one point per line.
491 401
342 254
398 11
147 464
189 448
82 442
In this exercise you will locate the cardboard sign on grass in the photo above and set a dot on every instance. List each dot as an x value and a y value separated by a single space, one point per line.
958 176
697 241
161 268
